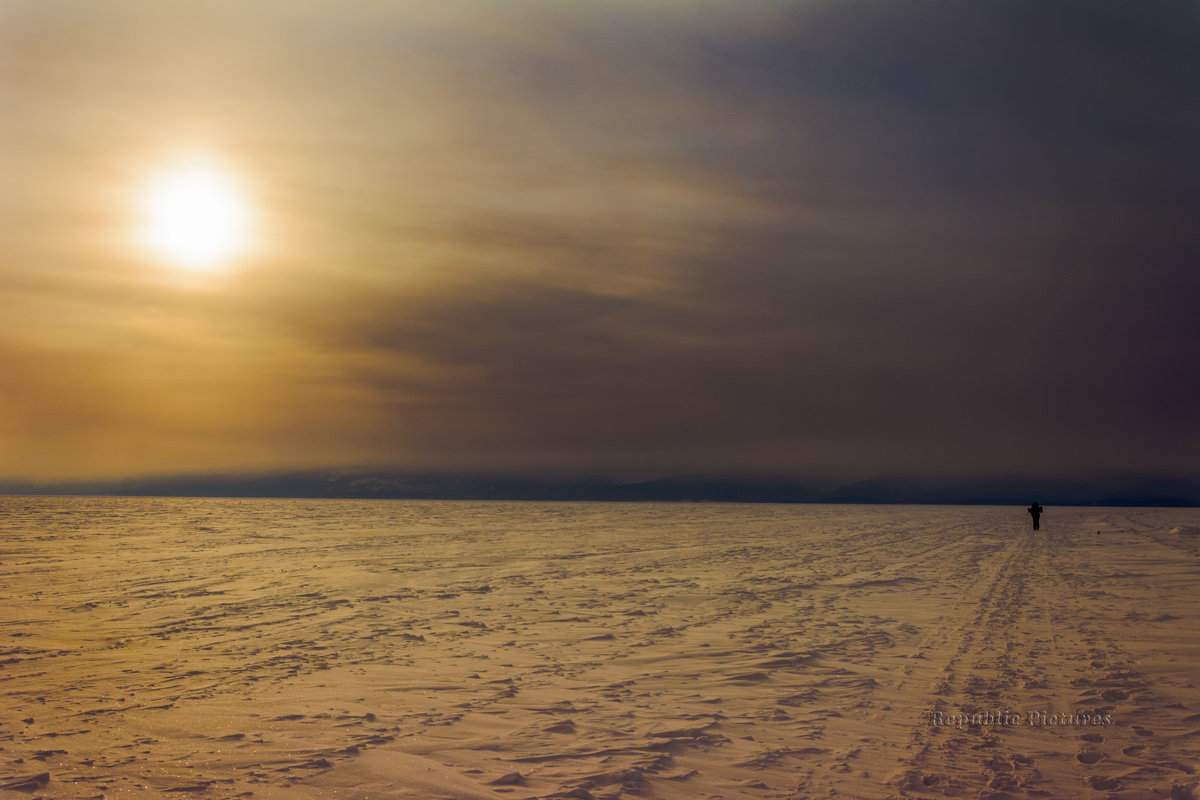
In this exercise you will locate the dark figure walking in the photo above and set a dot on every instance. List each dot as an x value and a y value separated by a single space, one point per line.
1035 511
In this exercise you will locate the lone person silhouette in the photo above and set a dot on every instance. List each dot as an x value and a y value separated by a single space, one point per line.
1035 511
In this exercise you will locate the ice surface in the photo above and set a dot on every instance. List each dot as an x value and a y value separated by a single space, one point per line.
391 649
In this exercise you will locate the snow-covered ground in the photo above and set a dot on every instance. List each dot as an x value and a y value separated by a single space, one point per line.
321 649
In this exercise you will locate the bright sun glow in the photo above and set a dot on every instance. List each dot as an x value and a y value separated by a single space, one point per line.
195 217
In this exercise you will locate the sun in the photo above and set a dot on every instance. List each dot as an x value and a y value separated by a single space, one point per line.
195 216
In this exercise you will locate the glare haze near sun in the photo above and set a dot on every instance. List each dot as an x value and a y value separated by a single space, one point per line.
194 216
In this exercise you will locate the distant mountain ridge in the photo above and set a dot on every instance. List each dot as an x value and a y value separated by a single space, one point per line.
1129 489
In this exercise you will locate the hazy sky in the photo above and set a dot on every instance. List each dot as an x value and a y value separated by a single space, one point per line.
627 237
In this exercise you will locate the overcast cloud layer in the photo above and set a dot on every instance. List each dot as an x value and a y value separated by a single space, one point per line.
624 237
